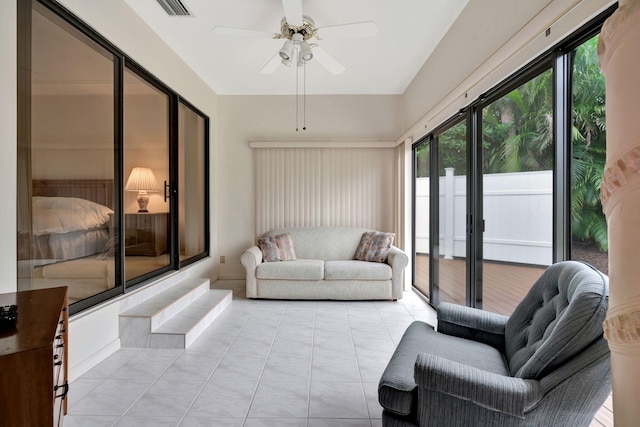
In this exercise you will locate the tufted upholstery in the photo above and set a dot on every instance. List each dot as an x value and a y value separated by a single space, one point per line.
562 314
547 364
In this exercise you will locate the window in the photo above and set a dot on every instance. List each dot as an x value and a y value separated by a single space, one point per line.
113 165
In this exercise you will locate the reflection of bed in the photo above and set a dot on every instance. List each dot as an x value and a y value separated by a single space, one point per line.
72 236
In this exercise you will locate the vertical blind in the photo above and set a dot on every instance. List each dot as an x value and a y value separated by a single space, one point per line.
349 187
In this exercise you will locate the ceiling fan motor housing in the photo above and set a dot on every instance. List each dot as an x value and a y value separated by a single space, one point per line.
307 30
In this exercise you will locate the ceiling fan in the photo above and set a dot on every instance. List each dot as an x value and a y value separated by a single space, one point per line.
299 32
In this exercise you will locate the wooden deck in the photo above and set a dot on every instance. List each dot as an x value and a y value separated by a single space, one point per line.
504 286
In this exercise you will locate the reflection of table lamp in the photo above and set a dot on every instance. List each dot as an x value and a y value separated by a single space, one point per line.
142 180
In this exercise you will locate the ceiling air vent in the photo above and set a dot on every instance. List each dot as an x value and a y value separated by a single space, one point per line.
174 7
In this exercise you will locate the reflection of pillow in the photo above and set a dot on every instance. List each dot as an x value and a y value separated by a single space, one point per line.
277 248
54 215
374 246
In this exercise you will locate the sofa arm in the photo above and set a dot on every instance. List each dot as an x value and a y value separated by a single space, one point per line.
510 395
250 259
473 324
398 260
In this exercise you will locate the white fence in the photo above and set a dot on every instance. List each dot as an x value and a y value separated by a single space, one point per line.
518 214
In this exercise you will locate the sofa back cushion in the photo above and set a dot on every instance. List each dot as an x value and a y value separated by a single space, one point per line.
560 316
326 243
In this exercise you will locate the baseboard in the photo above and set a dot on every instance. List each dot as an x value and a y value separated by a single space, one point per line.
231 277
79 369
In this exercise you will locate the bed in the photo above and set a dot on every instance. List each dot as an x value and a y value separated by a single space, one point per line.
72 236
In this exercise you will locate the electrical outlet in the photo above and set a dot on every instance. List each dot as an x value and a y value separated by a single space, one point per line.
222 259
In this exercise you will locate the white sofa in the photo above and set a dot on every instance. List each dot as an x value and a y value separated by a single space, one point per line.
324 268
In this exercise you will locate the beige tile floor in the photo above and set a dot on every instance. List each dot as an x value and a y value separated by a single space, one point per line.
260 364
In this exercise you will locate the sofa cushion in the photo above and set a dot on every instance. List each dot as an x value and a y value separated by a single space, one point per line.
374 246
277 248
300 269
356 270
397 390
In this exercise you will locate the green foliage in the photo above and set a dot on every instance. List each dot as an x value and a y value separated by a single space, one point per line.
452 149
517 129
588 136
422 161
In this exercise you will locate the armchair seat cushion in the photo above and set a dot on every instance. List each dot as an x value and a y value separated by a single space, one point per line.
300 269
356 270
397 390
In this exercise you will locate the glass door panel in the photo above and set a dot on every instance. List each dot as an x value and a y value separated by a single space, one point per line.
589 241
146 170
192 184
422 204
517 195
450 275
66 201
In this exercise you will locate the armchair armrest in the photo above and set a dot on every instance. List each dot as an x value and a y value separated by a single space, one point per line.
250 259
473 324
398 260
510 395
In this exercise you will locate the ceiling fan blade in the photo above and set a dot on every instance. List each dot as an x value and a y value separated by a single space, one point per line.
293 12
356 29
327 61
230 31
271 66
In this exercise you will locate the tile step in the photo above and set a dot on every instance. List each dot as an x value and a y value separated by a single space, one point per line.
183 328
170 302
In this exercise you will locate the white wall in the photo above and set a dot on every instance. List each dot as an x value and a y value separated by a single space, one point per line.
272 118
489 42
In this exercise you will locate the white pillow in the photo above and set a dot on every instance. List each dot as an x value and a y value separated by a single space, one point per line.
56 215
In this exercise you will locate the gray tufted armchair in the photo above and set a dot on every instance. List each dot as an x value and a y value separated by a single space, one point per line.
545 365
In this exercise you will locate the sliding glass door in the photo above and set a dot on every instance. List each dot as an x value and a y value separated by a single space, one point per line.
193 179
527 192
589 238
67 202
421 217
450 249
146 169
112 164
517 192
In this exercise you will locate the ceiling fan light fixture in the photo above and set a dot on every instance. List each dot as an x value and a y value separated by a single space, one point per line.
305 51
287 62
285 52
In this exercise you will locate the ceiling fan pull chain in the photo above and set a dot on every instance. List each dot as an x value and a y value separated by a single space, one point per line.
297 98
304 96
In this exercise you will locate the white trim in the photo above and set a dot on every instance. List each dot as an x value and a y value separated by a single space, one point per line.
323 144
231 277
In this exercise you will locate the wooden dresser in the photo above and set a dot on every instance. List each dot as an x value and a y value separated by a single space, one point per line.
33 359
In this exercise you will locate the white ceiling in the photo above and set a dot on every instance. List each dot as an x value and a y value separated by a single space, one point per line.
408 31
